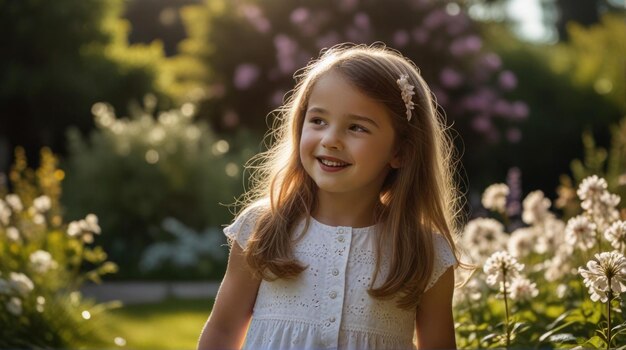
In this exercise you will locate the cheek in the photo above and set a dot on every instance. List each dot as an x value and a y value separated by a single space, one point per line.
307 143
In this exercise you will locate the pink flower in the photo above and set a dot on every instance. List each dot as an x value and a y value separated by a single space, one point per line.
245 75
362 21
420 35
507 80
328 40
300 15
514 135
492 61
400 38
434 19
450 78
520 110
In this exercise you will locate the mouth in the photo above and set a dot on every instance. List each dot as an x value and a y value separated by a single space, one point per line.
333 162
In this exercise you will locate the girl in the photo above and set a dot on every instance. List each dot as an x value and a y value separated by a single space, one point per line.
347 240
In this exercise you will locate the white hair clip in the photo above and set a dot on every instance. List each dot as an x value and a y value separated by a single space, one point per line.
407 94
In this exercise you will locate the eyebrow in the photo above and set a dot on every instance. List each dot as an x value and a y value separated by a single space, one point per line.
352 116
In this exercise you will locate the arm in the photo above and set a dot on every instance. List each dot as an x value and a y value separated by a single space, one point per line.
433 321
228 322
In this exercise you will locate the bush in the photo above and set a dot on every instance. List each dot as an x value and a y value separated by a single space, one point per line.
43 262
135 172
282 36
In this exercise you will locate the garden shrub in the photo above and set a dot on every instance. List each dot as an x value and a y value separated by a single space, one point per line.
135 172
43 263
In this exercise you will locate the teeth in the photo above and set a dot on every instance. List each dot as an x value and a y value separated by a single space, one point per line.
331 163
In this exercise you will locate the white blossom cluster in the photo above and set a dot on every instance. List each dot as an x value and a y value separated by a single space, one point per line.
550 243
494 197
85 228
598 202
605 275
504 271
12 204
14 289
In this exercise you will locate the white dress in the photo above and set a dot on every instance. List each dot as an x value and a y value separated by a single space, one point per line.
327 305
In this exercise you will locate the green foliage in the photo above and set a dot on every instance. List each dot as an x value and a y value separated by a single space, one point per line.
560 108
58 60
42 265
135 172
594 57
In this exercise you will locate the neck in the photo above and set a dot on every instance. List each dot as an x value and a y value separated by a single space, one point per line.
345 210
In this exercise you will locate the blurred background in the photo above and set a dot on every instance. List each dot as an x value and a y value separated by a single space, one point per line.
152 107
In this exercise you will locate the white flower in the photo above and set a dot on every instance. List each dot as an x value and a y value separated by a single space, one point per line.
483 236
605 274
598 203
494 197
561 290
41 261
590 190
616 234
14 306
580 232
14 202
407 93
13 234
552 235
5 213
501 268
38 218
522 288
42 204
557 267
20 283
85 228
521 242
536 207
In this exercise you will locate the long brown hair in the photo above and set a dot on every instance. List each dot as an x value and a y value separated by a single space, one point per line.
416 200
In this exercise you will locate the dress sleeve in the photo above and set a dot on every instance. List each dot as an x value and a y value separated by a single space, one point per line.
444 258
243 225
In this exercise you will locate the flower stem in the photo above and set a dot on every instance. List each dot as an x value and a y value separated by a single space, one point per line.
608 316
506 309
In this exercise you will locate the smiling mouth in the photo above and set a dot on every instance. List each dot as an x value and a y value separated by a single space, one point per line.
333 163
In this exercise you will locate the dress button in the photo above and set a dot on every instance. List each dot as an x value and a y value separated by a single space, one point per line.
332 319
335 272
332 294
341 239
340 230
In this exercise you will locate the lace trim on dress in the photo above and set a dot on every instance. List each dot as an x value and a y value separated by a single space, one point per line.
444 258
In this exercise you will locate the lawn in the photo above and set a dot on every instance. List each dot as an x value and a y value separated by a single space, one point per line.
171 324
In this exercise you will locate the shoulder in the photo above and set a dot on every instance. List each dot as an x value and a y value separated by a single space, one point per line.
444 258
244 223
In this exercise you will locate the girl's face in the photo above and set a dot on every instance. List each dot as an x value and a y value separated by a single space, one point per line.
347 142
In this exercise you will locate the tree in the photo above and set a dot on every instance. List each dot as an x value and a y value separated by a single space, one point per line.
58 60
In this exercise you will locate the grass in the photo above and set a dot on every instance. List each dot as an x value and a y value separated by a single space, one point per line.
171 324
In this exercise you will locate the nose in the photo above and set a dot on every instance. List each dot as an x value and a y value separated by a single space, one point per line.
331 140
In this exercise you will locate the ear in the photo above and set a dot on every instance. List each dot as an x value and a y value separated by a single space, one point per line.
396 161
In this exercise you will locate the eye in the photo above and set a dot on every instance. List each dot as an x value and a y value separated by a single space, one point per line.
316 121
359 128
